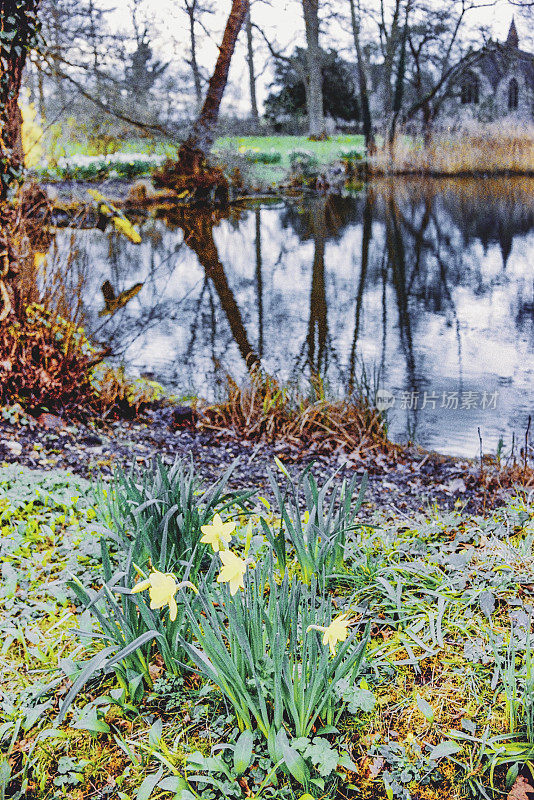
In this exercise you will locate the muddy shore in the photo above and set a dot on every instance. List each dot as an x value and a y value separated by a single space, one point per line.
401 480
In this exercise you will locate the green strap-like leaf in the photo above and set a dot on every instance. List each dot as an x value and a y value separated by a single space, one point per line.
131 647
96 663
243 751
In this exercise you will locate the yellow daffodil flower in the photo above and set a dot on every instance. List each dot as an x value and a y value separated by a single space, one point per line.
337 631
218 534
232 571
162 588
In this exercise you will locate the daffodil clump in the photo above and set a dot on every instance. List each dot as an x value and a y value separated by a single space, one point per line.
248 622
218 534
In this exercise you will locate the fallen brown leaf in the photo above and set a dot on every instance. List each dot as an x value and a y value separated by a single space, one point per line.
522 789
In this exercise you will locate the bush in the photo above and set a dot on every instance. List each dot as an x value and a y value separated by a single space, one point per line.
47 363
304 162
114 165
263 157
351 156
304 168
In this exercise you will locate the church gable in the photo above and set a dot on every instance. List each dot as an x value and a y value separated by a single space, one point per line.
498 81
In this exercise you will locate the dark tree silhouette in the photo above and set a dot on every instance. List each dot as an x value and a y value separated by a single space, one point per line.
339 92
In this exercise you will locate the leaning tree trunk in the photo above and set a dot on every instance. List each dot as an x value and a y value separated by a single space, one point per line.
190 175
18 28
314 84
194 151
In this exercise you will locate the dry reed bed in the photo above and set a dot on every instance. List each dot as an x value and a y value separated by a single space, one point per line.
265 410
474 150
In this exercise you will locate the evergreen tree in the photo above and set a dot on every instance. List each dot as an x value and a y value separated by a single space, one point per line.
340 94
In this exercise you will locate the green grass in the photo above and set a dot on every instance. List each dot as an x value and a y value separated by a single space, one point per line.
227 148
441 586
326 152
272 175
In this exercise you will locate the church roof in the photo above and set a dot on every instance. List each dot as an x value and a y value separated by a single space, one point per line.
497 59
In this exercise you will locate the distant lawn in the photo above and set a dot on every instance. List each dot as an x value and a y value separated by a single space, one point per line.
226 148
264 175
326 152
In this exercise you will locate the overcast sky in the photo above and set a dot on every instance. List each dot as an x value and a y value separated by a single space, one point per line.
282 23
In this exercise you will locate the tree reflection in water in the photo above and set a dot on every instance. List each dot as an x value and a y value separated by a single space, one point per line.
430 281
197 226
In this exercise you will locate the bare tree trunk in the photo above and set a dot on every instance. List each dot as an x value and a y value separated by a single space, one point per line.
17 24
427 123
195 149
251 71
399 88
40 91
391 45
314 83
193 44
362 80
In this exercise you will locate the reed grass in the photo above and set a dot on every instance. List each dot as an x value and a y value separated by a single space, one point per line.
263 409
475 149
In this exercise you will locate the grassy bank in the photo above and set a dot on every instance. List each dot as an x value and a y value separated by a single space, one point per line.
267 162
440 705
325 151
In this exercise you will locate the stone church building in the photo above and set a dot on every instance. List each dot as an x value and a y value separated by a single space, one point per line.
498 81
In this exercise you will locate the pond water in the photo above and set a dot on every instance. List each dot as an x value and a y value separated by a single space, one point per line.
429 285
